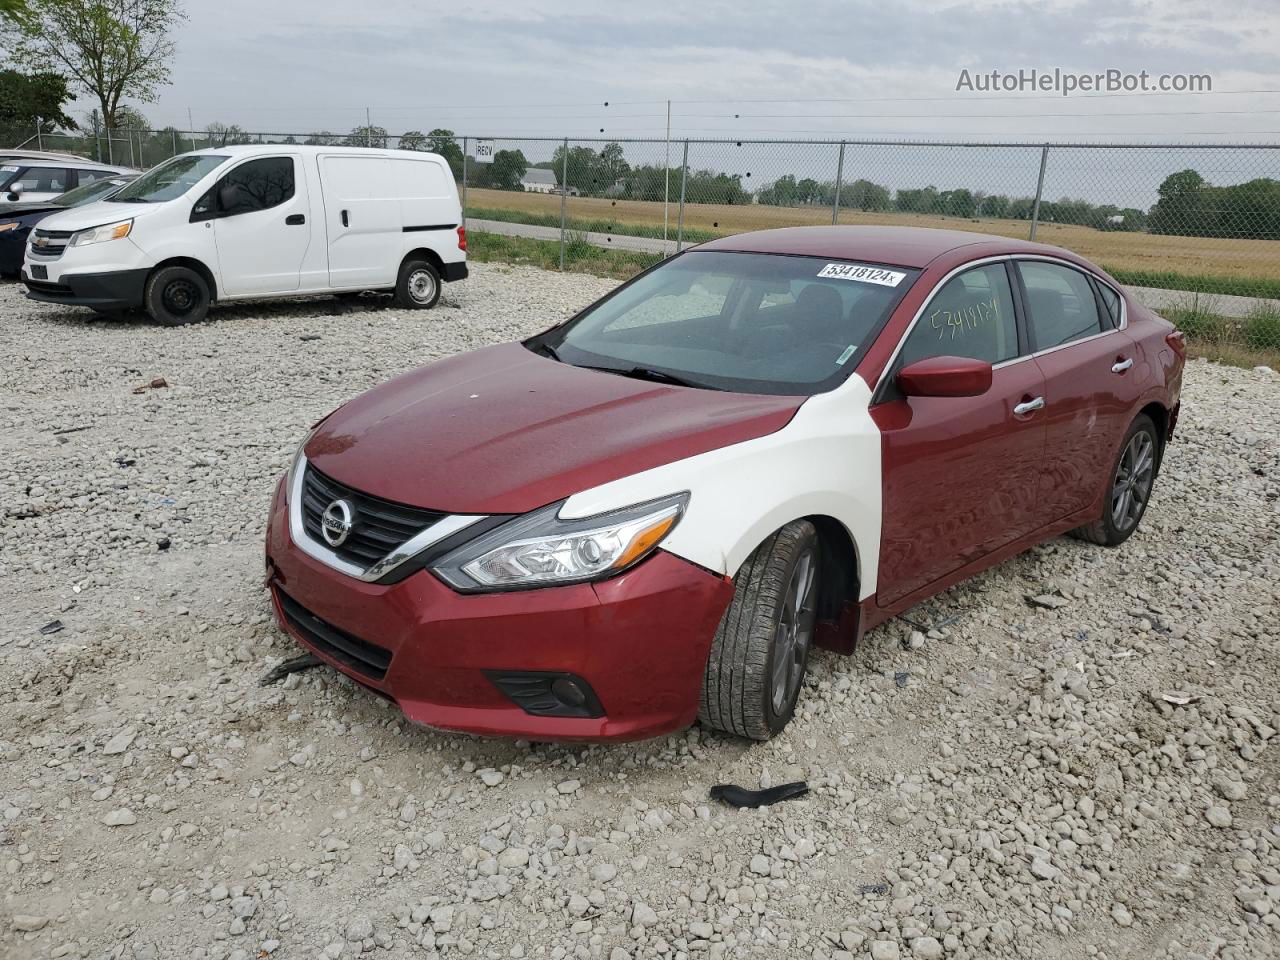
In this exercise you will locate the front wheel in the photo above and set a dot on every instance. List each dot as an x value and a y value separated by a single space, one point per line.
761 648
418 286
1130 489
176 296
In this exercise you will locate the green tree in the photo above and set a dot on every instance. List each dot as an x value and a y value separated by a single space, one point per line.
222 135
323 138
131 118
444 143
507 168
367 136
28 98
413 140
865 195
108 49
613 166
1180 207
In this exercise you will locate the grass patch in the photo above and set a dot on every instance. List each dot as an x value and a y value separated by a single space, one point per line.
1198 282
580 256
1262 327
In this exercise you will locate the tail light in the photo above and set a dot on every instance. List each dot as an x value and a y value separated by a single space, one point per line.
462 238
1178 341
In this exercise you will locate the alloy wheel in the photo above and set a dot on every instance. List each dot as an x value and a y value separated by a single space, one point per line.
1132 486
794 632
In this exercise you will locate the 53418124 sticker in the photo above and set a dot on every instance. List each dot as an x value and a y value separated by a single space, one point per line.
862 273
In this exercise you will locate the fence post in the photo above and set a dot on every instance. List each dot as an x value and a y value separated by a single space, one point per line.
1035 210
464 182
129 135
564 195
175 142
835 205
39 137
111 153
684 175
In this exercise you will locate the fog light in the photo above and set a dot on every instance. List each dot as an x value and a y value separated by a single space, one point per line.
547 694
568 691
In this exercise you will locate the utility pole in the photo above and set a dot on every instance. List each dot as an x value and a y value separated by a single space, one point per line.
191 129
666 180
368 128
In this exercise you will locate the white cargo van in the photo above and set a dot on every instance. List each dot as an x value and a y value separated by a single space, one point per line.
241 222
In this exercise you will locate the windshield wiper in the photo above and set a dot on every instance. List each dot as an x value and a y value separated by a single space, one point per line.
130 200
657 376
547 350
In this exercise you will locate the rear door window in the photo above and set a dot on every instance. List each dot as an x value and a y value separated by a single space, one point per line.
43 180
1061 306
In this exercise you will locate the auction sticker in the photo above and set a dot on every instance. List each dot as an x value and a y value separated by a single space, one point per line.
862 273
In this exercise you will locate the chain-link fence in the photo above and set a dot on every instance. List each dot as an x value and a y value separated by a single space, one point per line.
1194 229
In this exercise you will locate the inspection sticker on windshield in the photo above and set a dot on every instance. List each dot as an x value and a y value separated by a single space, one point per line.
863 274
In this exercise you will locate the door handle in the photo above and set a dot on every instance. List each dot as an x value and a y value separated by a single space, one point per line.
295 219
1029 406
344 219
1120 366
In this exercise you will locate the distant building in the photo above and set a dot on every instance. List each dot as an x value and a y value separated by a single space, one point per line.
538 180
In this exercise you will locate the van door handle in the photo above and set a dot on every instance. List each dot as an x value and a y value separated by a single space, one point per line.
295 219
1029 406
1120 366
344 219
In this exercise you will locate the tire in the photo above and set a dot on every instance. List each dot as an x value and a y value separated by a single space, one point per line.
176 296
747 689
418 286
1120 516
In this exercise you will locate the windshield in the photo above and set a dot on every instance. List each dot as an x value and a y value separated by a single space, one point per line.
749 322
169 180
87 192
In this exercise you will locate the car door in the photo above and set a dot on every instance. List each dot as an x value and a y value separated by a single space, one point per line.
959 473
258 212
362 220
1090 384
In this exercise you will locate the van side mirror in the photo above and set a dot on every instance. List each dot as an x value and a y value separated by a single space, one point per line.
15 191
945 377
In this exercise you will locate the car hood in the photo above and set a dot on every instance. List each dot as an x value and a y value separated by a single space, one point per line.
504 430
99 212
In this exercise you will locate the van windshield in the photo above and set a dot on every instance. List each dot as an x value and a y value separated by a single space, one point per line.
747 322
169 180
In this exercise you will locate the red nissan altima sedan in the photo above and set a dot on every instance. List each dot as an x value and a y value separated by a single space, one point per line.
651 513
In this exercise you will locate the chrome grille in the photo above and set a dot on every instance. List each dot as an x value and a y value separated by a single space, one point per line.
48 244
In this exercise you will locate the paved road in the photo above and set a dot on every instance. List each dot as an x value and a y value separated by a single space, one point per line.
1154 297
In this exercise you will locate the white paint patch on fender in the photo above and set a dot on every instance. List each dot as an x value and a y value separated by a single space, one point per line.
826 461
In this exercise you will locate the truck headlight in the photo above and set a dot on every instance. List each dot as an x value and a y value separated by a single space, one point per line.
540 549
108 231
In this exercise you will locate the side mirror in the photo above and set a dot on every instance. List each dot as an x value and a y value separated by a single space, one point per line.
945 377
15 191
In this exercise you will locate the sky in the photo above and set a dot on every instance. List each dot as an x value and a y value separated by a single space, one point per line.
802 69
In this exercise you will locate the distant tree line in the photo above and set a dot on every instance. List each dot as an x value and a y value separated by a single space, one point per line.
1190 206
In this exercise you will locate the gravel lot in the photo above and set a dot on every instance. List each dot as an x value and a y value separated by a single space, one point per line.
1094 778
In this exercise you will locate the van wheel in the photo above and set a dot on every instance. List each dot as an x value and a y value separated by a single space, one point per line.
176 296
418 287
761 648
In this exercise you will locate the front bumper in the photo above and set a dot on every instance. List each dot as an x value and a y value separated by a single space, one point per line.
114 290
639 641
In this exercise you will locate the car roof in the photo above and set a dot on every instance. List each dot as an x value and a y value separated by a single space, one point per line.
238 149
898 246
70 161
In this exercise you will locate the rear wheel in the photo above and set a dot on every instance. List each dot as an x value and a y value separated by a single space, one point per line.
1129 492
418 286
176 296
761 648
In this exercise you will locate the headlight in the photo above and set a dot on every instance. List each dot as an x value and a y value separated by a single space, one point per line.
11 225
540 549
108 231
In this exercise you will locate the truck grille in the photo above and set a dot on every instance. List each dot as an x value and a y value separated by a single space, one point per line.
367 659
379 527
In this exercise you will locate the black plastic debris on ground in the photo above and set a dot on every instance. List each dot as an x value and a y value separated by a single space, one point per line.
281 670
736 796
53 626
